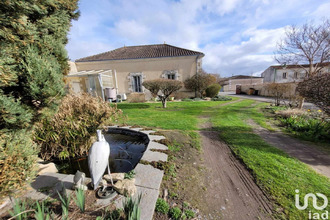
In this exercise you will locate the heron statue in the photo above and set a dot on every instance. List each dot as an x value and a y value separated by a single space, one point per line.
98 160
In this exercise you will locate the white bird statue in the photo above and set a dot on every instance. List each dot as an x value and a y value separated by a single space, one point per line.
98 159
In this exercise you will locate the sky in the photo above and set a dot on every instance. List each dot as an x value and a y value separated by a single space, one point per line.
238 37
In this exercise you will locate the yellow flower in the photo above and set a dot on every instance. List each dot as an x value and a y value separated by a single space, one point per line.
319 110
309 110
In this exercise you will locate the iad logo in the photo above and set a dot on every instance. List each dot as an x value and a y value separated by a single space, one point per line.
311 215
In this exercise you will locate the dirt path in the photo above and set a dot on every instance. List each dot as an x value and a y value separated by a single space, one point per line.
231 191
304 152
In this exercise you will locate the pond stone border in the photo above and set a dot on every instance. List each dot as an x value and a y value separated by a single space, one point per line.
147 178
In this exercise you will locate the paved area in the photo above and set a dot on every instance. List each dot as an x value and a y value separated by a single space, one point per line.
147 180
303 151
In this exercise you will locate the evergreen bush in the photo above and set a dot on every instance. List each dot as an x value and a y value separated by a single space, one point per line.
18 155
212 90
33 61
33 58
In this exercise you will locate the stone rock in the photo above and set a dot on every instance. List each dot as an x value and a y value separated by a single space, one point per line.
47 168
79 180
103 183
165 194
125 187
115 177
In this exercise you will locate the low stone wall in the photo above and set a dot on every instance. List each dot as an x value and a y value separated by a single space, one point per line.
262 90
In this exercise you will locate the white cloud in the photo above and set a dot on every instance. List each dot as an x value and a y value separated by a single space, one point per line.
237 37
222 7
132 30
245 58
322 11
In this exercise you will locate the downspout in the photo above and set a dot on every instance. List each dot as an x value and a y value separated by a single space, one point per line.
197 64
274 74
101 85
196 72
116 83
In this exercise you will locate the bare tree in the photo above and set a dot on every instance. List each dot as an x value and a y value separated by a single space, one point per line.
162 88
306 44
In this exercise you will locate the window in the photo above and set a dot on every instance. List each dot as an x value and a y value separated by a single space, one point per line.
295 75
284 75
136 84
171 76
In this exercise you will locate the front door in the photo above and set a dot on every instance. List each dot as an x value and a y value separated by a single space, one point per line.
238 89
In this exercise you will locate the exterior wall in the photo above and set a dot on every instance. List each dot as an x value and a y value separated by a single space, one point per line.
73 68
150 68
263 91
272 74
276 75
268 75
231 87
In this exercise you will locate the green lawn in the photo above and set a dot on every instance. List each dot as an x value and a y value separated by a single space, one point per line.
177 115
275 172
278 174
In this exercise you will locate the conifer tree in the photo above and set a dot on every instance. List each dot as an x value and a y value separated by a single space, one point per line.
33 59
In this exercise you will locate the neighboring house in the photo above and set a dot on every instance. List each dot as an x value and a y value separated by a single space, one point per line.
289 73
124 69
231 84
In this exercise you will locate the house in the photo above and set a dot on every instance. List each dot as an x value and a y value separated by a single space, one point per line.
234 83
123 70
289 73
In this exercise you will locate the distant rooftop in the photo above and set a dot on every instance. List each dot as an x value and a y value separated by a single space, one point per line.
140 52
296 65
243 77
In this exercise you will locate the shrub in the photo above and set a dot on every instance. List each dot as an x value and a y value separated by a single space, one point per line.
317 90
33 58
187 100
180 95
136 98
286 113
69 132
162 206
18 155
221 98
189 214
162 88
199 82
212 90
308 128
175 213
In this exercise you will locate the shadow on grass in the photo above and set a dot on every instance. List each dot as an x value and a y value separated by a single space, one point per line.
133 106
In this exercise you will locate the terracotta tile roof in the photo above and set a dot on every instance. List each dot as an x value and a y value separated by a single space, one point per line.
140 52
